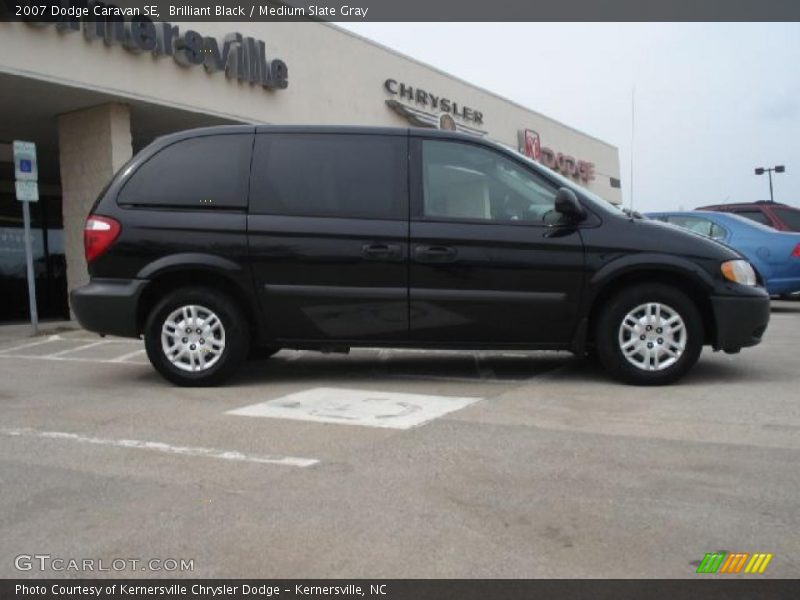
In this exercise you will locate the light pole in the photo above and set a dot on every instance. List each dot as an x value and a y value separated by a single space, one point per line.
777 169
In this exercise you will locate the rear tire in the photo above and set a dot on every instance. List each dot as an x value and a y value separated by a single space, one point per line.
650 334
196 336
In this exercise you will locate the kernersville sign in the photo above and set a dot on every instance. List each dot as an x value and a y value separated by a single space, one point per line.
241 58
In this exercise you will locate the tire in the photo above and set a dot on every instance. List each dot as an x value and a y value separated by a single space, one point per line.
649 362
199 361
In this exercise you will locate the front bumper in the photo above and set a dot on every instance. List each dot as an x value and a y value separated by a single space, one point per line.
740 320
108 306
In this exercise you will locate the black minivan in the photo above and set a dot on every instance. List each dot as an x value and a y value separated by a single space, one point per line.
218 242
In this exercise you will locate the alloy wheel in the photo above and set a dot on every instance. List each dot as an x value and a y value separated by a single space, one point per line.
652 336
193 338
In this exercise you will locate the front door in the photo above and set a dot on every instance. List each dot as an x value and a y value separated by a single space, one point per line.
490 263
328 235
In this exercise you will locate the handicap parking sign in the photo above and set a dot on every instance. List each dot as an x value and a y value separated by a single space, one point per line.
25 168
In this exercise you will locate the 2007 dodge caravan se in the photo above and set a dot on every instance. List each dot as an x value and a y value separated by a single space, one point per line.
216 241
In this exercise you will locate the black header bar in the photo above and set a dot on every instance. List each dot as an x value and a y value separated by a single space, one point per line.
701 588
404 10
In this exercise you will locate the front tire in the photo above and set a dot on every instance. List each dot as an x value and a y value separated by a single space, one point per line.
650 334
196 336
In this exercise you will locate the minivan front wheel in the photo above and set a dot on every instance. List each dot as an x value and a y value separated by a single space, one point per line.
196 336
650 334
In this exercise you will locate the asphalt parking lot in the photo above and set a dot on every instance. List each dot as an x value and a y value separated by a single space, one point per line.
399 464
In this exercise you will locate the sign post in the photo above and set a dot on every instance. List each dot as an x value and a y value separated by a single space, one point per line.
26 173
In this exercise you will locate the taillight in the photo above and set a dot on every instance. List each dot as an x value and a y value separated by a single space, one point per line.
796 251
98 235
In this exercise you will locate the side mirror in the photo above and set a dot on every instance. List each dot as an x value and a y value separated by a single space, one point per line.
567 204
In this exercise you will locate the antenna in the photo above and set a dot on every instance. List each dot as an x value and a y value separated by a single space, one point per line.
633 124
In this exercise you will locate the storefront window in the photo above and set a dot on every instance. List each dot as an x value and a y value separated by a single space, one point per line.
49 264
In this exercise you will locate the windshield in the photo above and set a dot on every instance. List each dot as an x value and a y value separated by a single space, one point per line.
596 201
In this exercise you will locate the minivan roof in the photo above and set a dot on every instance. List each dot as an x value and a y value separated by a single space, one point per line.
349 129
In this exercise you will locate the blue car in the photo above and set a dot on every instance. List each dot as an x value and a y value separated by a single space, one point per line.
774 254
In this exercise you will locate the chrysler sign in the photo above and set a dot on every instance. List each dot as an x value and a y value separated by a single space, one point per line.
241 58
425 109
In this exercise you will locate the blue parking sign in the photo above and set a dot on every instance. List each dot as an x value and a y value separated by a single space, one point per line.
25 167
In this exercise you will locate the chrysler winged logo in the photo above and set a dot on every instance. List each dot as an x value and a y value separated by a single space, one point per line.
425 109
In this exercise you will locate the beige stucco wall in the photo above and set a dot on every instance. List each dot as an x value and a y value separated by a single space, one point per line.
334 78
94 144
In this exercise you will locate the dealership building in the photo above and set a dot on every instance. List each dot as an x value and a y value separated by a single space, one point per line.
91 94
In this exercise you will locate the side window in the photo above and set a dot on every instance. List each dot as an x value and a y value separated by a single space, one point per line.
330 175
718 232
791 218
755 215
463 181
696 224
202 172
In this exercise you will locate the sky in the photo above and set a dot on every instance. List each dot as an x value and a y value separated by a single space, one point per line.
712 100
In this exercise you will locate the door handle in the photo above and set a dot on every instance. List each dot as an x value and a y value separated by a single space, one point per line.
380 251
435 254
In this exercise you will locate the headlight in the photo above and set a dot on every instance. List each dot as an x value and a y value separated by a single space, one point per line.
739 271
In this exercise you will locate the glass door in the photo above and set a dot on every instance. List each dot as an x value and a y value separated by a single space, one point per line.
49 263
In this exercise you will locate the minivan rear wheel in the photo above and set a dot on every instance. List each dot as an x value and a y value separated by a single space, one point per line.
196 336
650 334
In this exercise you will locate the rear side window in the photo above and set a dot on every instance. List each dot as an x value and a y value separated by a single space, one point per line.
330 175
755 215
790 218
202 172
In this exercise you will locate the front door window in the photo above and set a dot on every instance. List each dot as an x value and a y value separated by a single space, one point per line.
466 182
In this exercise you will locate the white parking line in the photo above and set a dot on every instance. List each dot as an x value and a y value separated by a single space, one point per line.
76 349
87 340
52 338
107 361
484 373
196 451
127 356
68 354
